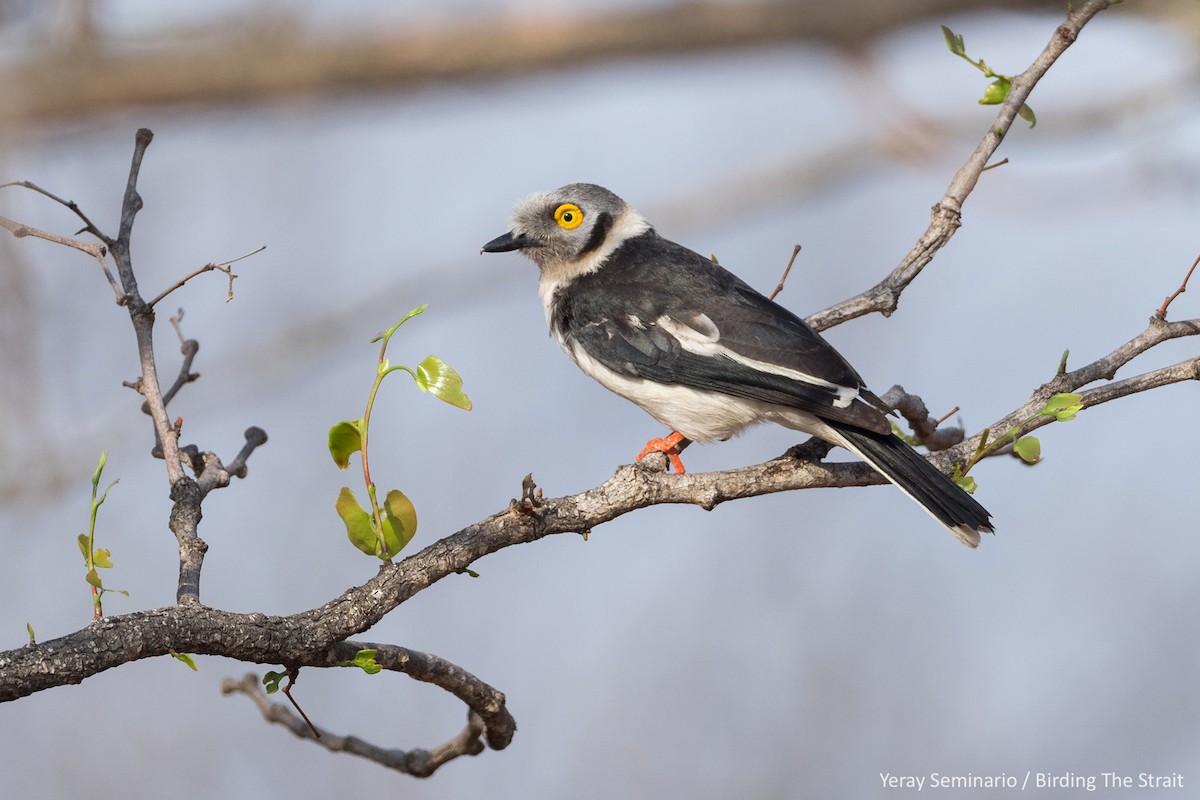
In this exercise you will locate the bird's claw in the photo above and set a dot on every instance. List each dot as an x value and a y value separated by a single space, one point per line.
671 447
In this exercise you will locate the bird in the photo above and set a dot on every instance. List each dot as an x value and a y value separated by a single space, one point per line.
699 349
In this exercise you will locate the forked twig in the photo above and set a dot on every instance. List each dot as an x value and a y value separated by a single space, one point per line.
223 266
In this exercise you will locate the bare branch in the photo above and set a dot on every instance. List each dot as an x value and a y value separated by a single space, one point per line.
96 251
884 297
220 69
417 762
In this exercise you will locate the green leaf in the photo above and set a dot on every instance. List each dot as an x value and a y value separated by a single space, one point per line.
1063 407
84 543
102 558
954 42
1027 114
995 92
186 659
1028 449
345 439
439 379
99 470
271 681
967 482
358 522
399 521
93 578
364 660
32 638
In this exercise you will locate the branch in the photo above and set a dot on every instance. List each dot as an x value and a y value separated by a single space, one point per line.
487 715
21 230
297 641
1026 418
71 205
186 493
417 762
223 266
884 297
220 69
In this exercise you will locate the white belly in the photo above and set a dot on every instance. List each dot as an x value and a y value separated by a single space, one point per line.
700 415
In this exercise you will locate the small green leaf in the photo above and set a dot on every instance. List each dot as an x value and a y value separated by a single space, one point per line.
1063 407
84 543
995 92
358 522
399 521
1027 114
345 439
439 379
954 42
471 572
94 579
364 660
32 638
102 558
1028 449
271 681
186 659
967 482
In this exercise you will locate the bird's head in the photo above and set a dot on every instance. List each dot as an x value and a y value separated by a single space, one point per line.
571 229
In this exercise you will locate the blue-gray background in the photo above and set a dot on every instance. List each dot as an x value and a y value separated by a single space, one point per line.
789 646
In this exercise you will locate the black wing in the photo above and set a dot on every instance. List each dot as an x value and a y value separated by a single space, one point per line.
659 311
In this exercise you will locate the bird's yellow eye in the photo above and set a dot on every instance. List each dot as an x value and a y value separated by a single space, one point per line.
568 215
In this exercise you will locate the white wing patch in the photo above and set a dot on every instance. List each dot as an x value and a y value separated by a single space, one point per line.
699 335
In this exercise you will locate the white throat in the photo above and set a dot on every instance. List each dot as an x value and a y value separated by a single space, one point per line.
626 226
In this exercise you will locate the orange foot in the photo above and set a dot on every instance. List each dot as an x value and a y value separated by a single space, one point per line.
671 447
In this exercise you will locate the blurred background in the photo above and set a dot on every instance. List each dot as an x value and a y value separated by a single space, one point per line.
796 645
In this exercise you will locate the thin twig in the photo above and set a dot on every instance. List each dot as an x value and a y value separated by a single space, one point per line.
1162 310
89 226
945 416
999 163
786 270
223 266
287 691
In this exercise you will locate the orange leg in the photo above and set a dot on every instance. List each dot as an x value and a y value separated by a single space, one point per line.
671 447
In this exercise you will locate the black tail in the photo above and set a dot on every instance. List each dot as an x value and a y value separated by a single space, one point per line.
916 477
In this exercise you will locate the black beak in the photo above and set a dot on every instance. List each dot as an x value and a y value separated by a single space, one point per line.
509 241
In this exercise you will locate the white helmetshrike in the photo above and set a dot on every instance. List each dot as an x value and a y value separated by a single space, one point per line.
699 349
